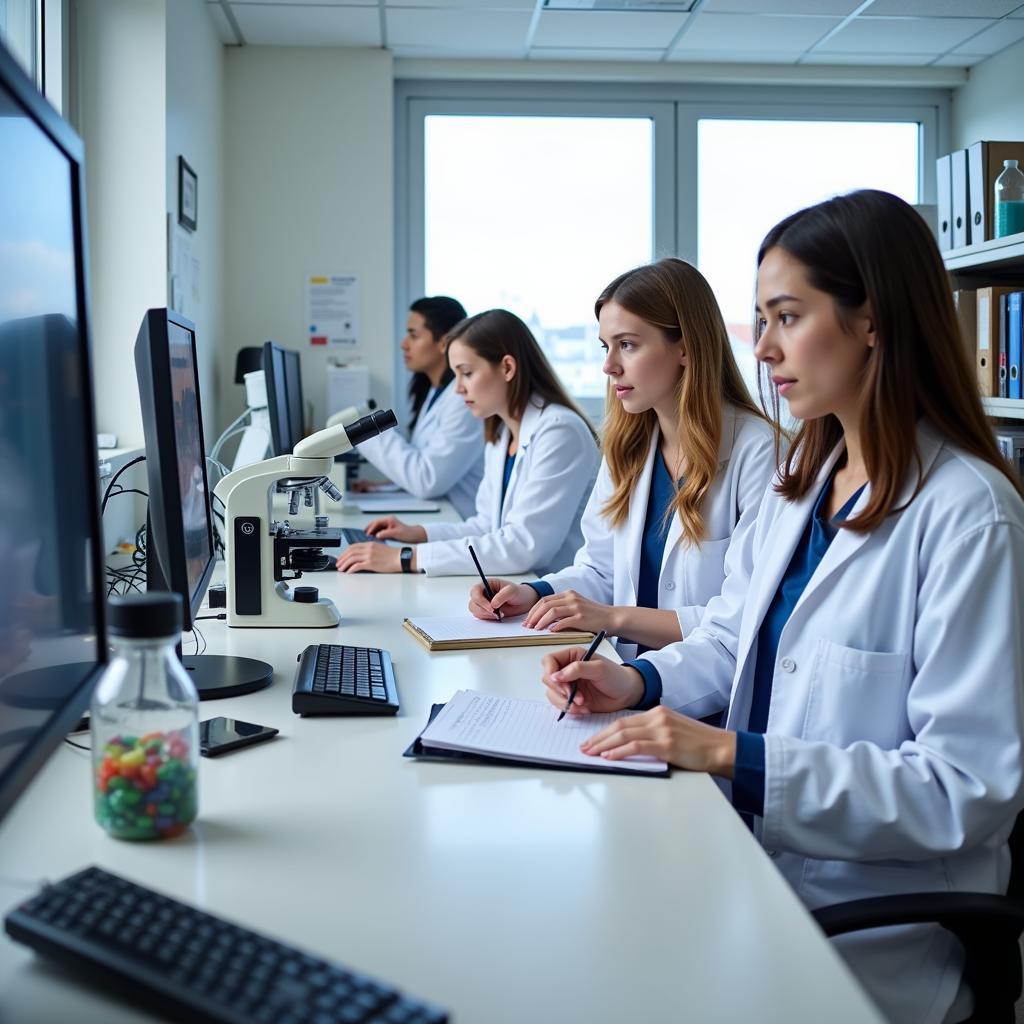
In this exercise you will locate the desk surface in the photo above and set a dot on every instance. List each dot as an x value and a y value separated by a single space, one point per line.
505 895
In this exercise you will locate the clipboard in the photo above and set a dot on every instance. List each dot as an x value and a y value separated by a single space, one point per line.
535 638
418 752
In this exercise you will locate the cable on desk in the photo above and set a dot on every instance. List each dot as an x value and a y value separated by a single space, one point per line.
72 743
106 493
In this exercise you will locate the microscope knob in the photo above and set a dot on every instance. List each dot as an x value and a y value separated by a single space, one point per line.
306 595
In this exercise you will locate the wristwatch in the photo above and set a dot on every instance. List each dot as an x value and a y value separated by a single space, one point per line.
406 557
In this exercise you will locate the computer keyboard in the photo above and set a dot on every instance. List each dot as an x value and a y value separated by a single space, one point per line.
353 535
336 680
191 965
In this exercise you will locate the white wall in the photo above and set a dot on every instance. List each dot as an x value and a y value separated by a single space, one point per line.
309 155
195 130
991 105
120 104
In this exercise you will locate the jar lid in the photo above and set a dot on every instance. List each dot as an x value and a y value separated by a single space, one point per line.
154 614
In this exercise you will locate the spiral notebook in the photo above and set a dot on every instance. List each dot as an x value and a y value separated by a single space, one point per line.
465 633
505 730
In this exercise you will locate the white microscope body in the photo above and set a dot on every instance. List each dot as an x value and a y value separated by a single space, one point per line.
258 548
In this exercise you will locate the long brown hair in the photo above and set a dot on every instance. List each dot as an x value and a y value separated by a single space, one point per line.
870 247
497 333
675 297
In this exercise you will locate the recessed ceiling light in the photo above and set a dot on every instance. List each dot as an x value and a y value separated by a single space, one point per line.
665 6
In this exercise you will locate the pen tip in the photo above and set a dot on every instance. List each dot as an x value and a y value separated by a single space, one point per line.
560 717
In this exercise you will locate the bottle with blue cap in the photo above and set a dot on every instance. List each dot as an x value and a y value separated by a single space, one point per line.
145 724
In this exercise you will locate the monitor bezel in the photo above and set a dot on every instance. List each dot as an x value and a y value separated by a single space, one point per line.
153 369
49 735
275 378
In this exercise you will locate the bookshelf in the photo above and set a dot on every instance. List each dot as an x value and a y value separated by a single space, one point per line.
996 262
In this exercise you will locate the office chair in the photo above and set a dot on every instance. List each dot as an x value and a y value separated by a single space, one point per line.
248 359
988 926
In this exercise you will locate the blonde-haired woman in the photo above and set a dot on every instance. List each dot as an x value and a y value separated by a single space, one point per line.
687 459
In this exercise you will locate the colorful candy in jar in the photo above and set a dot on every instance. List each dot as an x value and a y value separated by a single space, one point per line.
145 787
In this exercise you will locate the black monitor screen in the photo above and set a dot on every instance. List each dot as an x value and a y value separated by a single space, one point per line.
284 397
51 609
191 471
180 555
293 386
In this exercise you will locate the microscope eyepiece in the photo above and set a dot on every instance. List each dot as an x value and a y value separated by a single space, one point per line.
370 426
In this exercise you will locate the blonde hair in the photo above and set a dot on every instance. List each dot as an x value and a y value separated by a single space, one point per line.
675 297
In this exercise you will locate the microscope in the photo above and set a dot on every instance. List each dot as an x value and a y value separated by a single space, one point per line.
263 555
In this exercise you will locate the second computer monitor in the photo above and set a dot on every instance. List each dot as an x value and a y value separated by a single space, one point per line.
283 375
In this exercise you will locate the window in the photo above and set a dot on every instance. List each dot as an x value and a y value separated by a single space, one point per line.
751 174
536 215
20 23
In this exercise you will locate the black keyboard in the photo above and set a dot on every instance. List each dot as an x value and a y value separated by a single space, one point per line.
336 680
352 535
190 965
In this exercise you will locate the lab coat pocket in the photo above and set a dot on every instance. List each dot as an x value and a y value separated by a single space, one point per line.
705 571
856 695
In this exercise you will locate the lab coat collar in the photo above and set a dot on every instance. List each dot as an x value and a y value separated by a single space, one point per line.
788 528
531 418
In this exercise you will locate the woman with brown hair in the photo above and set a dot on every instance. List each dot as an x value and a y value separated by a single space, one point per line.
867 641
539 464
687 457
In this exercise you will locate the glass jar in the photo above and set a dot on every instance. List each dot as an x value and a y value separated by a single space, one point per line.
145 724
1009 189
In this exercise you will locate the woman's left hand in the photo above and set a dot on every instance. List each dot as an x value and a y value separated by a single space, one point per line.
569 610
670 736
370 557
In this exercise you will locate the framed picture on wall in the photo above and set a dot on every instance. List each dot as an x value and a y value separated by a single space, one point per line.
188 195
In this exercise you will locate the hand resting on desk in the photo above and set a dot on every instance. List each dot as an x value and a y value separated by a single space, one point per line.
668 735
392 528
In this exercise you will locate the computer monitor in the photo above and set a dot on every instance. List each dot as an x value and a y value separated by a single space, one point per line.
180 553
283 375
52 640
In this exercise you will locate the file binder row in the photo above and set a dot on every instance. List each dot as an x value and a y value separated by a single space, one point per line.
965 191
992 323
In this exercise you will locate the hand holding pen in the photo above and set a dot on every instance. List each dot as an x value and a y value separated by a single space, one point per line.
487 586
575 683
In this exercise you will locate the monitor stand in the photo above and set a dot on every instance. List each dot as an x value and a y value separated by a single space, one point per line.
226 675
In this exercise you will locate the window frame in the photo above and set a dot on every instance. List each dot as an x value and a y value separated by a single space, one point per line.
675 109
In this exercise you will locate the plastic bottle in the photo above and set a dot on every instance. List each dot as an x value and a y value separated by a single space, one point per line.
145 724
1009 200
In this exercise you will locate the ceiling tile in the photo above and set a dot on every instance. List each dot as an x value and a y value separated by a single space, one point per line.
874 59
642 29
303 3
755 35
961 60
455 29
479 5
595 53
772 56
836 8
278 25
902 35
449 52
943 8
1001 35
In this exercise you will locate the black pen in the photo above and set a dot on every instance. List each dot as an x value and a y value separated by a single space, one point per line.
575 683
487 586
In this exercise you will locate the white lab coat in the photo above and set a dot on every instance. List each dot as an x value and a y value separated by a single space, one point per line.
895 743
537 527
444 458
607 567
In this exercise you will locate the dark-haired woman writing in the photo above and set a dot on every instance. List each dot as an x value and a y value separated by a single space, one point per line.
867 641
539 467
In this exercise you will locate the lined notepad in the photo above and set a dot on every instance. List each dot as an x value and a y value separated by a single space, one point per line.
525 730
464 632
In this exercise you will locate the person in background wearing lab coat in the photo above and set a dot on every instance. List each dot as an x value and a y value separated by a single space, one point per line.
867 639
443 456
539 466
687 457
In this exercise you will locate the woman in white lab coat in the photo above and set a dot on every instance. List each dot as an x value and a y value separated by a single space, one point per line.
867 641
539 466
443 455
678 410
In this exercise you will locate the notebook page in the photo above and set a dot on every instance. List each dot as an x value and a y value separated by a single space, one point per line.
466 627
390 503
522 729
